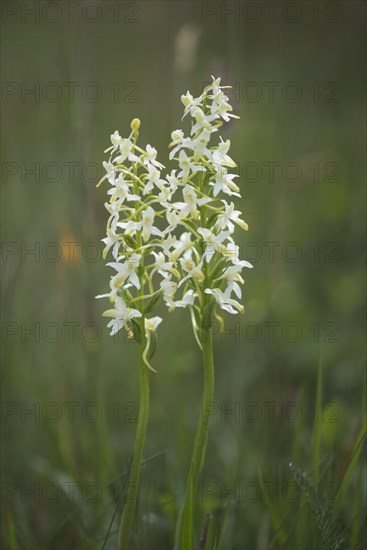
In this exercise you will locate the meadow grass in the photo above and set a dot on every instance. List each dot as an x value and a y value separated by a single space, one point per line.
328 511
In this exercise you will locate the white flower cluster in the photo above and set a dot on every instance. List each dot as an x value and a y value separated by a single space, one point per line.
137 194
173 234
207 254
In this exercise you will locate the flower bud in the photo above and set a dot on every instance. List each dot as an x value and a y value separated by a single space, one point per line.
185 100
135 125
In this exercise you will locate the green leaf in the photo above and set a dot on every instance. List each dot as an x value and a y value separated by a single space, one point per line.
212 218
12 538
130 241
152 345
154 300
198 319
217 269
347 478
201 246
136 330
125 294
316 436
275 516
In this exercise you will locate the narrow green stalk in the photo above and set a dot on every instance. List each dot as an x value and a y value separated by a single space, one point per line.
185 529
127 517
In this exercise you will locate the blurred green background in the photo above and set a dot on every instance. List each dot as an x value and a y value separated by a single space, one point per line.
298 72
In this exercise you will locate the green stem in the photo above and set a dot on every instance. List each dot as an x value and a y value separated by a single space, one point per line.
128 512
185 530
133 485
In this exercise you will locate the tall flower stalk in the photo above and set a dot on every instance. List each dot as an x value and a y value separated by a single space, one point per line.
190 261
134 176
208 261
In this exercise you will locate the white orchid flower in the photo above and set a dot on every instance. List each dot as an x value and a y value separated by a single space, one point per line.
191 203
126 148
214 243
199 145
230 214
203 121
173 180
224 182
152 323
233 275
220 106
224 301
193 270
220 154
121 315
169 288
126 271
111 241
116 139
188 299
180 246
150 156
187 166
178 142
161 266
147 224
190 103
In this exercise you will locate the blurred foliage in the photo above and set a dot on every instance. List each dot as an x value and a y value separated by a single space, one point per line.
315 304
